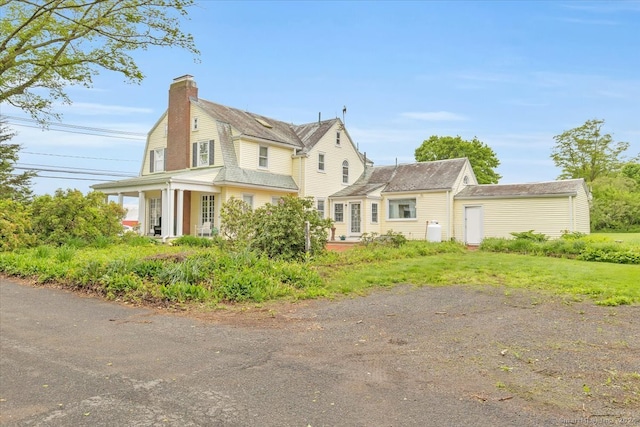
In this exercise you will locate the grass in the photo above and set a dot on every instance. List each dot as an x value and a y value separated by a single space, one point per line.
601 281
147 272
631 238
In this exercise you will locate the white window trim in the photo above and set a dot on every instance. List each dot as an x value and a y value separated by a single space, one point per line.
324 163
158 159
377 212
199 153
343 174
194 124
248 196
402 219
338 139
324 207
334 212
260 157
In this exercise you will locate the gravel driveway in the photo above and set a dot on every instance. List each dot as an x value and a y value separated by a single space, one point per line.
405 356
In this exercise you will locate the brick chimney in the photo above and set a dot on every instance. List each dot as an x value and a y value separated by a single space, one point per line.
179 122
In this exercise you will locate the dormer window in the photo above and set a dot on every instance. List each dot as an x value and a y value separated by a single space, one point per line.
202 154
337 138
195 123
465 180
156 160
263 157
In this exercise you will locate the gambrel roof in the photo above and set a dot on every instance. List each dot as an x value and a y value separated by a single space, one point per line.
301 137
569 187
422 176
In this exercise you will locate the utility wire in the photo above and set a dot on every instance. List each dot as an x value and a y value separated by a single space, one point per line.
88 128
71 168
78 157
81 133
75 172
73 178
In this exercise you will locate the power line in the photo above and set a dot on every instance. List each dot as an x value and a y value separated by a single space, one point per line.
78 157
89 128
80 133
75 172
71 168
73 178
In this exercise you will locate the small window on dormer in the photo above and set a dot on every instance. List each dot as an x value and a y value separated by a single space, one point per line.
195 123
465 180
337 138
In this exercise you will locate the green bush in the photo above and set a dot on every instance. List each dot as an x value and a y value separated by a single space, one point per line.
530 236
74 219
195 241
15 225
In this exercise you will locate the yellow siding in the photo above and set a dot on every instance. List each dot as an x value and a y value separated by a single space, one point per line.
429 207
550 216
157 139
278 158
207 130
323 184
581 212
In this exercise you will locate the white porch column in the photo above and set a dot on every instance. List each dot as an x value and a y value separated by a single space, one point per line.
170 216
142 214
165 212
179 213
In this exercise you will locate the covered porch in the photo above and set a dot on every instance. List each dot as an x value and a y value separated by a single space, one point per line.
169 205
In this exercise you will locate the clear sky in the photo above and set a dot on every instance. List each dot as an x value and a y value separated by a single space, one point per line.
512 73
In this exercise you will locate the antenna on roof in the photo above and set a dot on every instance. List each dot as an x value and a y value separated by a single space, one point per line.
344 111
319 117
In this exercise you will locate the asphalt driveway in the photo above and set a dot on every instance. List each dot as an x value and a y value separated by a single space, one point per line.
394 358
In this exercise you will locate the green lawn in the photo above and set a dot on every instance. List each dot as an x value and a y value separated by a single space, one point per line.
605 283
632 238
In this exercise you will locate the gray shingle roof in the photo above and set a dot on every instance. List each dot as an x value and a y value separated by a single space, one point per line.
311 133
236 175
536 189
246 123
422 176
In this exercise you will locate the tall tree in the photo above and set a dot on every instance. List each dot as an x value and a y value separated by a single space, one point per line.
586 152
46 45
482 158
13 186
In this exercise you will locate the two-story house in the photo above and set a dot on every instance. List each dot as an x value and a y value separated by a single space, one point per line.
200 154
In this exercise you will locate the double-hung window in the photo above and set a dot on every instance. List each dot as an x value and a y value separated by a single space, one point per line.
338 138
321 162
203 153
320 207
263 157
338 212
374 213
345 172
156 160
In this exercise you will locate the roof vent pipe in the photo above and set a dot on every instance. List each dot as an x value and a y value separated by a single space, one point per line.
319 117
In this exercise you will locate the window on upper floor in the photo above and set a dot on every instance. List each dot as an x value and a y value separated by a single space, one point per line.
202 153
402 208
374 213
320 207
157 160
345 172
337 138
321 162
338 212
194 126
263 157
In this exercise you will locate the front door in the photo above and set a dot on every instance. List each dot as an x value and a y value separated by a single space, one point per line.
473 225
355 218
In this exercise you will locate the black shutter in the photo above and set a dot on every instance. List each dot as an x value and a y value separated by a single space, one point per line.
211 158
164 159
195 155
151 161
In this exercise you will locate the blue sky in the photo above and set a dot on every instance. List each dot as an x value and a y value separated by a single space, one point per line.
512 73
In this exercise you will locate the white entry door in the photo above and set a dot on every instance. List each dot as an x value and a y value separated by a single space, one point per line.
355 218
473 225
